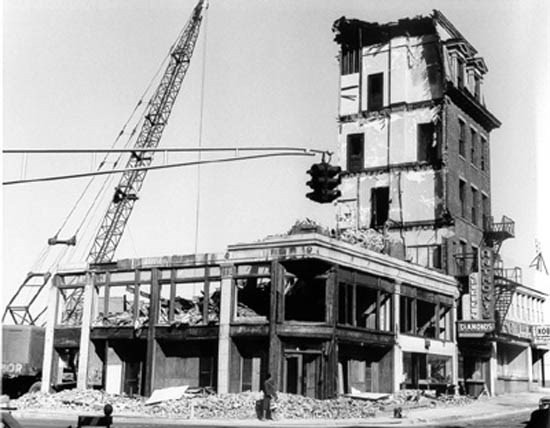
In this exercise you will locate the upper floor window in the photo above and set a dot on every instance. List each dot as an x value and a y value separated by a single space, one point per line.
477 87
483 154
380 204
475 205
350 61
427 144
355 152
375 91
460 72
461 138
473 145
425 255
462 196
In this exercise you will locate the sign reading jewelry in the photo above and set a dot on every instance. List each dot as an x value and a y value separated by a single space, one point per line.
487 284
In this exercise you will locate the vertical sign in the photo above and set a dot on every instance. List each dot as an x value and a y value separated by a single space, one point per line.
474 292
487 284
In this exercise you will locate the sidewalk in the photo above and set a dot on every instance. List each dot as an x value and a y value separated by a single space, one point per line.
485 408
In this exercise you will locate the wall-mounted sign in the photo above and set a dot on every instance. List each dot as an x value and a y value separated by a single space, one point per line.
474 328
517 329
473 290
487 284
541 333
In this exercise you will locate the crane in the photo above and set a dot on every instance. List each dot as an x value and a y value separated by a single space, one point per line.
125 195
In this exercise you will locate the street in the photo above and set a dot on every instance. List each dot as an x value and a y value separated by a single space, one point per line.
507 421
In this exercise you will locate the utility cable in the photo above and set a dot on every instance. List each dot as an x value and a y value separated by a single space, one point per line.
174 165
201 118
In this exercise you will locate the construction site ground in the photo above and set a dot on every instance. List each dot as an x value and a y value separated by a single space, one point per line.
484 408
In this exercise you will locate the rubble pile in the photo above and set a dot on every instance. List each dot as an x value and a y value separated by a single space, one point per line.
233 406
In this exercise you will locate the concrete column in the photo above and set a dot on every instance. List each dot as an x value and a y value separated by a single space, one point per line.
493 369
529 351
84 349
226 309
49 351
397 352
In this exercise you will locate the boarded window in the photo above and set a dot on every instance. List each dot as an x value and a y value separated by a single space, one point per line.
375 91
427 145
380 203
355 152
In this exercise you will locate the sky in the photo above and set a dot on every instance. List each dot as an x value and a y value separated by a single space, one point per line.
73 71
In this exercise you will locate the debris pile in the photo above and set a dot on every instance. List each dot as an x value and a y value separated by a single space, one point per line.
232 406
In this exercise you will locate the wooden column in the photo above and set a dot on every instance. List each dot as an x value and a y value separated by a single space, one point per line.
529 351
49 351
493 362
330 382
150 356
276 316
226 309
84 349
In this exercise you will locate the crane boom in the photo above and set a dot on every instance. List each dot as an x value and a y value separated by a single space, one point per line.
156 117
115 219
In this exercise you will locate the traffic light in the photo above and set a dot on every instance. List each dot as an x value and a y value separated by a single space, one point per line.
325 179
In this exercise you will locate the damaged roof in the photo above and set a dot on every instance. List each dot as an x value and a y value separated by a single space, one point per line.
354 33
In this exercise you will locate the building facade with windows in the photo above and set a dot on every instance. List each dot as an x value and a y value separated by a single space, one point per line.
414 144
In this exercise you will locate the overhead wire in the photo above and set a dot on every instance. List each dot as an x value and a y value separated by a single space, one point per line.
201 120
155 167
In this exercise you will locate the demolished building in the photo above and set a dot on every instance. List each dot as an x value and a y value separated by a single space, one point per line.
414 140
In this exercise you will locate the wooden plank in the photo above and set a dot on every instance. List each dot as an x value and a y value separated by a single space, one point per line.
249 330
358 336
107 293
378 309
321 331
172 295
330 294
187 333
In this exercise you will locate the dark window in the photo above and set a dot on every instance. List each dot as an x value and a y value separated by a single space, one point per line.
462 196
475 255
350 62
483 153
477 87
473 145
475 206
356 150
462 138
486 209
427 144
246 383
407 310
380 204
375 91
460 72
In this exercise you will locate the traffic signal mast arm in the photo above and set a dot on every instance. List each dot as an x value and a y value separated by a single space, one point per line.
155 119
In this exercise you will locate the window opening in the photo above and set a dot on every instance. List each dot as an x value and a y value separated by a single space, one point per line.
375 89
355 152
380 204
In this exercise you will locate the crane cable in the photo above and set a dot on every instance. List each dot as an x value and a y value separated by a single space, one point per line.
105 158
203 79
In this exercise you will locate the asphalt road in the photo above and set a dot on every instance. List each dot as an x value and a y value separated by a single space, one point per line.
515 421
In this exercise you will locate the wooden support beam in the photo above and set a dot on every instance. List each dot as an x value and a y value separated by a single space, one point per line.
378 309
151 341
276 296
226 313
172 295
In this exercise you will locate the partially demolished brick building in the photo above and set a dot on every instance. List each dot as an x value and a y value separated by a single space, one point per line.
407 292
414 142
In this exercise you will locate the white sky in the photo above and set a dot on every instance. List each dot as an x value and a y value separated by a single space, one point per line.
73 71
